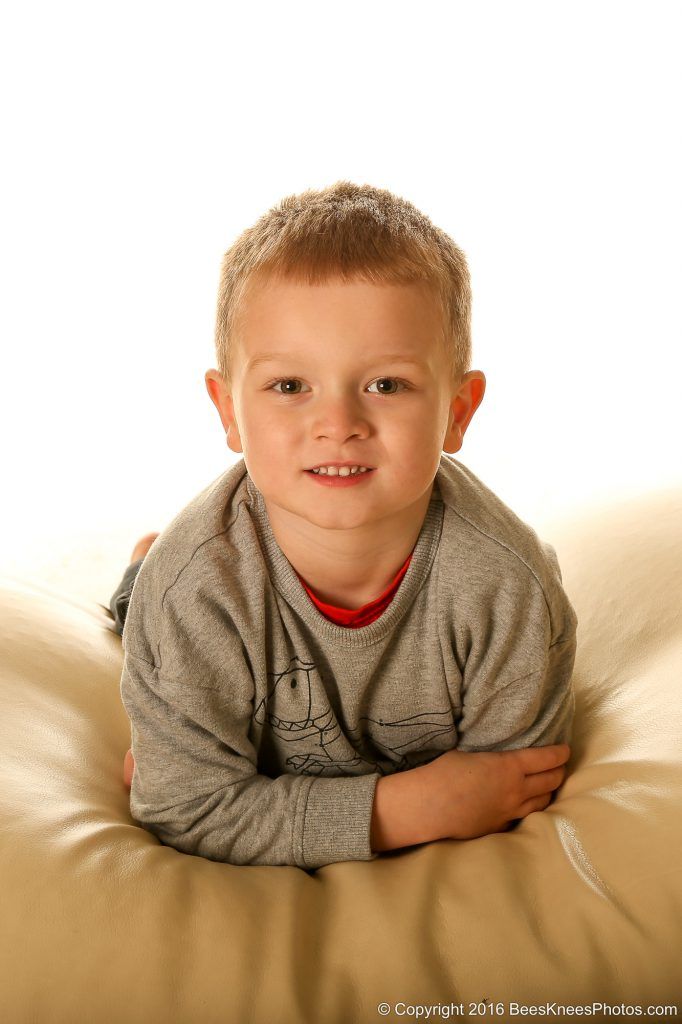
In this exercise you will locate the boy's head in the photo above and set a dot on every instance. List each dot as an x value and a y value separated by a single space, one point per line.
363 310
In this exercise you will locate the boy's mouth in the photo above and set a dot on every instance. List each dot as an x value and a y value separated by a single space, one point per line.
340 470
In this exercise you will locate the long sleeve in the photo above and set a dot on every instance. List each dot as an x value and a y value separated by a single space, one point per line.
533 711
518 681
196 785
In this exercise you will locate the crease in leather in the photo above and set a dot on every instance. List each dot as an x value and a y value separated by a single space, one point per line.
585 869
580 861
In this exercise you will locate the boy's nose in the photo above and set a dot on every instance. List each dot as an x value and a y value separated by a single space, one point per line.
340 431
340 417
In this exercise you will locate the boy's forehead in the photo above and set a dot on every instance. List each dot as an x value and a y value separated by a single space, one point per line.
397 320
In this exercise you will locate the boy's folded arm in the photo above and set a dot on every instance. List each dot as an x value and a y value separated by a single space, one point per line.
196 784
524 698
535 710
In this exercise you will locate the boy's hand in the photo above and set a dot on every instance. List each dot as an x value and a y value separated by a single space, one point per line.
128 769
472 794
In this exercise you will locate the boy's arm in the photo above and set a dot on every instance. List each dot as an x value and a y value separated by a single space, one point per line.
534 710
517 695
196 784
518 691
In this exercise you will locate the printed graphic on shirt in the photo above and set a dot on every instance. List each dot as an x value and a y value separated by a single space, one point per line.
297 710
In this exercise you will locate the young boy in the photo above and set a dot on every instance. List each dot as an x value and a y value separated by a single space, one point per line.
346 643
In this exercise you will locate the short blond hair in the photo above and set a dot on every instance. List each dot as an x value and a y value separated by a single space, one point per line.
353 233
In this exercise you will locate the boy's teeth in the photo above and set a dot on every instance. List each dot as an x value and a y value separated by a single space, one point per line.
340 470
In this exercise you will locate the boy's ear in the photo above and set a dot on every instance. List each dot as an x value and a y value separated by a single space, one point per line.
221 397
463 405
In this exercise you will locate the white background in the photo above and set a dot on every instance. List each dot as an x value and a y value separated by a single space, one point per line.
141 138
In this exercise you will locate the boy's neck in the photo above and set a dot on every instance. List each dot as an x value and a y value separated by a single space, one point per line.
348 569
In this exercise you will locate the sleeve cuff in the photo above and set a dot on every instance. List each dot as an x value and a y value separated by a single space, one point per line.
337 819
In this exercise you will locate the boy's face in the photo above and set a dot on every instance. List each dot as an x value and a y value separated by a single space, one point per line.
363 379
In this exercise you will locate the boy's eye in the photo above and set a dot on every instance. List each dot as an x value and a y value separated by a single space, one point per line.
389 380
295 380
286 380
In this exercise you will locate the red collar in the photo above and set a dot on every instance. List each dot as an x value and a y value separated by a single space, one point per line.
356 617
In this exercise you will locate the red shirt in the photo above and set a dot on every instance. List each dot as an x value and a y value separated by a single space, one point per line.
356 617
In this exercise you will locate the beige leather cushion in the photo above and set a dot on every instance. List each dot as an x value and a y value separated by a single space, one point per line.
582 902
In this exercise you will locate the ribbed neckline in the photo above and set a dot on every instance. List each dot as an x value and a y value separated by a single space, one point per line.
286 582
354 618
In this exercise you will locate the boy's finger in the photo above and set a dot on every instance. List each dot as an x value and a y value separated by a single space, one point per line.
541 759
541 783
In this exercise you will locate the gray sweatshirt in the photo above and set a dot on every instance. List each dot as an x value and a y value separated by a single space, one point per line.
260 728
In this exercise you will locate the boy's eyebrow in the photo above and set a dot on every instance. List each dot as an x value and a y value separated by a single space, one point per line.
267 357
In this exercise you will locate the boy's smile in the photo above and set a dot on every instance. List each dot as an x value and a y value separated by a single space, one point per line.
343 374
344 476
